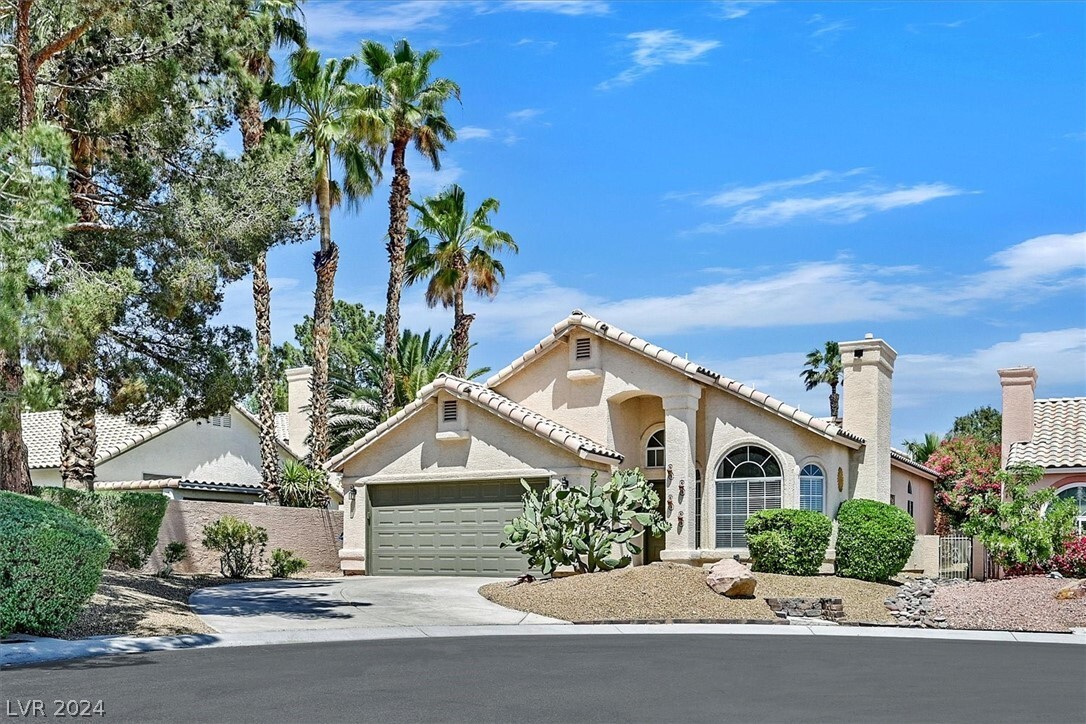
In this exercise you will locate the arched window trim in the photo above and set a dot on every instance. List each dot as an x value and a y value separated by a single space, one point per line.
738 495
1080 519
812 487
655 456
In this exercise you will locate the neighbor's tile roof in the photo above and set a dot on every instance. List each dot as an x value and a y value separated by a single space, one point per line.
500 405
578 319
900 457
116 434
179 483
1059 435
41 431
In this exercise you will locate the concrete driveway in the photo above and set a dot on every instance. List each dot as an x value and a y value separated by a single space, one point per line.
360 602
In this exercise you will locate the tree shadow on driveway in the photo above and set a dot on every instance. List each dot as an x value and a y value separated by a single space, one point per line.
285 598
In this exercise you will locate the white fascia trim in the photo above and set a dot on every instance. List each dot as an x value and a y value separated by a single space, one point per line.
450 477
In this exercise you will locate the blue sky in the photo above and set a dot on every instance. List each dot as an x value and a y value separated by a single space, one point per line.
741 181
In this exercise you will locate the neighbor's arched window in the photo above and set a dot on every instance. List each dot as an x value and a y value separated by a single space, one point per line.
812 488
654 450
748 479
1077 493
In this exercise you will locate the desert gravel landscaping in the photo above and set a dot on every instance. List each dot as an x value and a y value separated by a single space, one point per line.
1027 603
673 591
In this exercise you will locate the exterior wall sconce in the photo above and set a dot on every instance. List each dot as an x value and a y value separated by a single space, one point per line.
682 489
680 520
669 472
670 505
564 481
353 494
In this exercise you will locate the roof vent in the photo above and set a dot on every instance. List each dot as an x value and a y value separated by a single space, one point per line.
448 411
220 420
583 348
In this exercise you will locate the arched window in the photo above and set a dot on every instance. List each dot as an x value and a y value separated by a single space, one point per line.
1077 493
812 488
747 480
654 450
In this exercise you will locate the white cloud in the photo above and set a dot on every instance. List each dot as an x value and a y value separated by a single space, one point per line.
842 208
329 22
425 181
1040 264
654 49
734 9
826 32
739 195
524 114
559 7
472 133
543 46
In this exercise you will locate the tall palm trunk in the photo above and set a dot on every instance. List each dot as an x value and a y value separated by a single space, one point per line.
325 263
251 122
14 469
461 325
78 434
398 202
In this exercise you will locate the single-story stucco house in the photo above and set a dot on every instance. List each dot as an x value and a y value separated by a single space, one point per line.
1049 432
430 489
210 459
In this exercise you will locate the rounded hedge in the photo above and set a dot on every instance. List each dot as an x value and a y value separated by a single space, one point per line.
788 541
130 519
50 564
874 540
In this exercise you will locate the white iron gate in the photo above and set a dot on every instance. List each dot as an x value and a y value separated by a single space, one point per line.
955 556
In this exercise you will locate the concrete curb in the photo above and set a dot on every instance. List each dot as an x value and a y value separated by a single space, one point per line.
44 650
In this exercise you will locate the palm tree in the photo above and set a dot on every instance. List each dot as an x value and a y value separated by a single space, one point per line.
463 256
404 105
322 105
272 23
356 409
824 367
921 450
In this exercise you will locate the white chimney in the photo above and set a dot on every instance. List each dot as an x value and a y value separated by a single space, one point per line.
1019 384
298 397
868 385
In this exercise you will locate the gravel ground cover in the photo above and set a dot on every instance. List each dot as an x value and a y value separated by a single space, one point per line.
1026 603
669 590
139 604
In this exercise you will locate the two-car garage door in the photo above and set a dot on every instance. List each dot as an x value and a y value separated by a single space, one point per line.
443 529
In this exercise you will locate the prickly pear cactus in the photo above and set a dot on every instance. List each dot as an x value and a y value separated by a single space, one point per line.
597 528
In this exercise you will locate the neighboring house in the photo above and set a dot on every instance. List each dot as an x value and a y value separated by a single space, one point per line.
212 459
1049 432
431 488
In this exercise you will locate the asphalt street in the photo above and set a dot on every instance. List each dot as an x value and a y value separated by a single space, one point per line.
588 678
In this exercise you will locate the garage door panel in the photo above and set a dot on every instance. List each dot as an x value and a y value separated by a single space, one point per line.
443 529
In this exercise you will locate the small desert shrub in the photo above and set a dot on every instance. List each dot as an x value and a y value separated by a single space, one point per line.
285 564
131 520
788 541
240 545
874 540
302 487
50 563
175 552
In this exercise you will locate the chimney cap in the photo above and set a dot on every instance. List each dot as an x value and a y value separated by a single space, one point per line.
869 336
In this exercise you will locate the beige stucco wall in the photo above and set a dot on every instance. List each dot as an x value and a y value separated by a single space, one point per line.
195 450
922 497
925 556
312 534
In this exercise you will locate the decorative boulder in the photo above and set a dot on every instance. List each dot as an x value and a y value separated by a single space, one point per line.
731 578
1075 590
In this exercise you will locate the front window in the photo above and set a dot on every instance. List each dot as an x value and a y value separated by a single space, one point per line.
1077 493
812 487
654 451
747 480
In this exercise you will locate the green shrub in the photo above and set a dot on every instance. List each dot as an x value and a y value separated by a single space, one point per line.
131 520
303 487
240 545
50 564
175 552
874 540
788 541
285 564
590 529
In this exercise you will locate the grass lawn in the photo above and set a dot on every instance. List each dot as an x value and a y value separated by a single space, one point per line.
668 590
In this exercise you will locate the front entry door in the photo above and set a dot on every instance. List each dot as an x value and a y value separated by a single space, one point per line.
654 545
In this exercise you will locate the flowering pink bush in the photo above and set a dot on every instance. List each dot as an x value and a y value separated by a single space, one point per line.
967 468
1072 562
